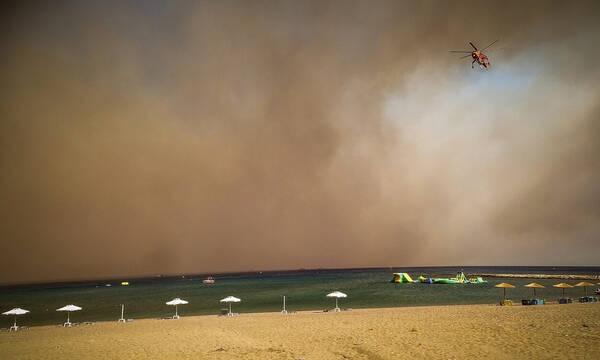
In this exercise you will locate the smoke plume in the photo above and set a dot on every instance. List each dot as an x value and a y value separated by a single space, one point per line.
140 138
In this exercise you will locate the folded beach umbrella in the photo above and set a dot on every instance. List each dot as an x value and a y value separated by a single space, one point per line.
68 309
230 299
534 286
563 286
585 284
175 302
15 312
504 286
337 295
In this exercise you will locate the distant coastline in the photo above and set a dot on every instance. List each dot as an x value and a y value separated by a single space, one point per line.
540 276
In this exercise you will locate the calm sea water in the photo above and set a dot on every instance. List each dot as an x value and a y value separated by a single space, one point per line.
262 293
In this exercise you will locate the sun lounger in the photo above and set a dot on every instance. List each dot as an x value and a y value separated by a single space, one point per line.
532 302
587 299
565 301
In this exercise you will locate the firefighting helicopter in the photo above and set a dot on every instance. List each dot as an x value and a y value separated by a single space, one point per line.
477 55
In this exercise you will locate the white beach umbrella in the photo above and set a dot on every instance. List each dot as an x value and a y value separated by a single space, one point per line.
230 299
68 309
337 295
15 312
175 302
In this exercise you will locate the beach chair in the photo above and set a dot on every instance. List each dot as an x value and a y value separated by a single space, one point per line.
532 302
506 303
565 301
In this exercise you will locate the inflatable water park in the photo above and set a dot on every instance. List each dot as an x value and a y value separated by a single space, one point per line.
459 279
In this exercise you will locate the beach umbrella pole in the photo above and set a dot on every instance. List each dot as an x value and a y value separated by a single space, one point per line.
15 325
284 311
176 311
534 293
504 293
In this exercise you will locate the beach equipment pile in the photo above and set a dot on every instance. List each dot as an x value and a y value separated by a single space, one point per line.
505 286
534 301
230 299
563 299
586 298
337 295
175 302
15 312
68 309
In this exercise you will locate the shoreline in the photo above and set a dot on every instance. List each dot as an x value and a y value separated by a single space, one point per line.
247 314
516 303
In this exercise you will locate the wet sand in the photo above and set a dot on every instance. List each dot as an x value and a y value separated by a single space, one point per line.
438 332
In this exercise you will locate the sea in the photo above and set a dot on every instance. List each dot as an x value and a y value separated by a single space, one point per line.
264 291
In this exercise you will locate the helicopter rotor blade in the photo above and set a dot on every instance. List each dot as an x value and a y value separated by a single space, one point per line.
490 45
473 46
464 57
460 51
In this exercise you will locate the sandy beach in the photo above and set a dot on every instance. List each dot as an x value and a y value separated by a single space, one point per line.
437 332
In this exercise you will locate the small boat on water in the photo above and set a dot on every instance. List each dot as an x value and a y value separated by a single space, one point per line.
208 280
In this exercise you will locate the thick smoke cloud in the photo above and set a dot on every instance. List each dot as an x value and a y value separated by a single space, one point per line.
155 137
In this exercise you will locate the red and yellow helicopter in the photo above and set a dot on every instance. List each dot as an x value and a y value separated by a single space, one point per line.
477 55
